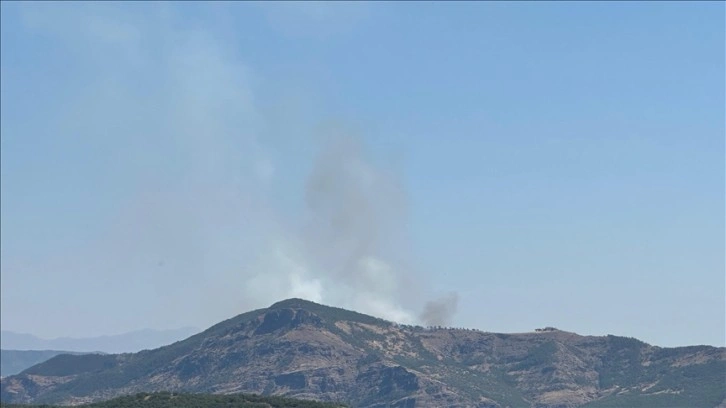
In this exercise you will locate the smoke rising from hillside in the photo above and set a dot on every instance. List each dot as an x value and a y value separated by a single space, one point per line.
439 312
345 252
354 208
357 214
175 126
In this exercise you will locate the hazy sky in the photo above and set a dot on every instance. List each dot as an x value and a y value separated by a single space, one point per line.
538 164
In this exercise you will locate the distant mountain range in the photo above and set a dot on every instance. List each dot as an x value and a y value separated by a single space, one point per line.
121 343
300 349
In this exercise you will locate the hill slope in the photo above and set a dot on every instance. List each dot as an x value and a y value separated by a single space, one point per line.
301 349
169 400
15 361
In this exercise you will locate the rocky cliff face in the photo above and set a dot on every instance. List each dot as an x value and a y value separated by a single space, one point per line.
305 350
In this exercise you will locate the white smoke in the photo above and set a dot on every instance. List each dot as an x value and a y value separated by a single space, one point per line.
192 233
353 210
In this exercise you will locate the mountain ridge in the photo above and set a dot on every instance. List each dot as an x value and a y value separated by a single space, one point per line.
115 343
301 349
16 361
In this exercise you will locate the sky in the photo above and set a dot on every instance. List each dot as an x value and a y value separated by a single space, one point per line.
500 166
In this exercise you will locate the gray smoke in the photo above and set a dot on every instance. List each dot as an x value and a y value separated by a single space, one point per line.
356 215
439 312
353 207
194 157
355 236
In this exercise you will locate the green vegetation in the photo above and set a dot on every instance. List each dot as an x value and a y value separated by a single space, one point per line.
172 400
621 363
543 354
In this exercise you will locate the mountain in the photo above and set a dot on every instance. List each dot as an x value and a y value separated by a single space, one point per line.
168 400
119 343
15 361
296 348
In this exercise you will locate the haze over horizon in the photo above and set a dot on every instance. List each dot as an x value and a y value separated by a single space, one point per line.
499 166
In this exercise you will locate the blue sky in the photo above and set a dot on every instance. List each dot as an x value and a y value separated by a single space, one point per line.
552 164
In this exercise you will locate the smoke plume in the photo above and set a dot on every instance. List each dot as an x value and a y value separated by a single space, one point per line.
439 312
169 117
346 248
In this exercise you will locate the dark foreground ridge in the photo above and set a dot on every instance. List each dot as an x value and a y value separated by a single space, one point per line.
15 361
169 400
300 349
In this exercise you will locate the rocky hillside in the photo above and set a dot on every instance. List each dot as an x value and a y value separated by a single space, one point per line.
300 349
173 400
